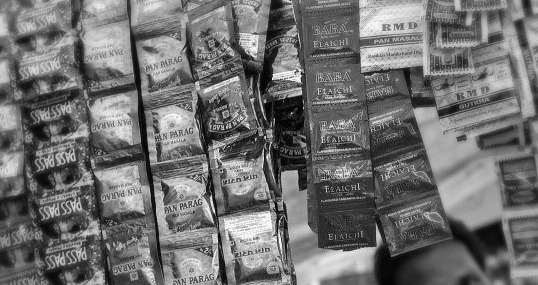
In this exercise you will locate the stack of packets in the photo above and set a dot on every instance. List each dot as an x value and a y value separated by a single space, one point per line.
407 199
518 176
341 194
119 165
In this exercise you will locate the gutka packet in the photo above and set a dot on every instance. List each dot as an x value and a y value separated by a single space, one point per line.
290 138
30 276
444 12
15 210
473 5
145 14
11 174
18 249
11 135
250 247
7 81
103 11
520 232
510 138
519 181
421 88
452 36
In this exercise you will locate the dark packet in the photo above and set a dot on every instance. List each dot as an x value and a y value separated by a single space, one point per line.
347 227
31 276
288 269
11 136
250 247
103 11
123 192
271 167
212 40
57 167
514 137
414 224
290 139
330 36
519 181
238 174
146 14
444 12
182 199
227 109
11 174
173 127
316 7
55 119
131 250
302 180
78 260
50 72
421 88
114 126
67 215
162 57
251 21
14 210
17 250
404 176
191 259
7 79
107 56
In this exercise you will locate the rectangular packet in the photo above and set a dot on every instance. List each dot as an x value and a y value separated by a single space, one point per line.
123 192
163 59
421 89
391 35
7 77
227 109
520 233
11 136
519 181
250 249
212 41
478 5
145 14
444 12
191 259
414 224
131 251
290 138
107 56
114 126
103 11
32 276
15 210
238 175
481 102
11 174
182 200
319 6
55 119
17 249
511 137
453 36
67 215
173 127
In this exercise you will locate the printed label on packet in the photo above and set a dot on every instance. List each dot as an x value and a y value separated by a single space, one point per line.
17 248
324 6
290 138
103 11
514 136
479 5
444 11
44 17
519 181
145 13
452 36
522 240
32 276
250 21
347 229
15 211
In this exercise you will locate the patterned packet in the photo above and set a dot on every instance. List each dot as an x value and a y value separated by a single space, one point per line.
173 127
78 260
14 210
55 119
421 88
123 192
146 14
238 174
67 215
17 249
182 200
391 34
520 233
250 247
103 11
290 139
444 12
479 5
413 224
212 40
480 102
11 174
32 276
131 251
404 176
7 80
453 36
11 136
511 137
114 126
519 180
107 56
33 45
191 259
58 167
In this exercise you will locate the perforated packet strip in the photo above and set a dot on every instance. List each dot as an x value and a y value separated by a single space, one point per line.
525 193
454 36
519 229
479 5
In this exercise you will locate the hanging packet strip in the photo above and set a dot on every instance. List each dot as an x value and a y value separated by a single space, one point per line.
17 249
114 126
131 251
11 136
212 40
250 247
453 36
15 210
107 56
7 79
445 12
520 233
11 174
481 102
476 5
182 201
123 193
519 181
290 139
103 11
78 260
58 167
414 224
391 35
146 14
173 127
238 175
191 259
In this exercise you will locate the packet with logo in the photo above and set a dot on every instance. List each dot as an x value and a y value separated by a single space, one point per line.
414 224
519 180
250 247
182 201
107 57
32 276
11 174
238 175
191 259
520 232
55 119
103 11
77 261
227 109
58 167
114 126
32 45
173 127
212 40
290 139
17 249
14 210
11 136
145 14
452 36
445 12
123 192
162 58
473 5
131 251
